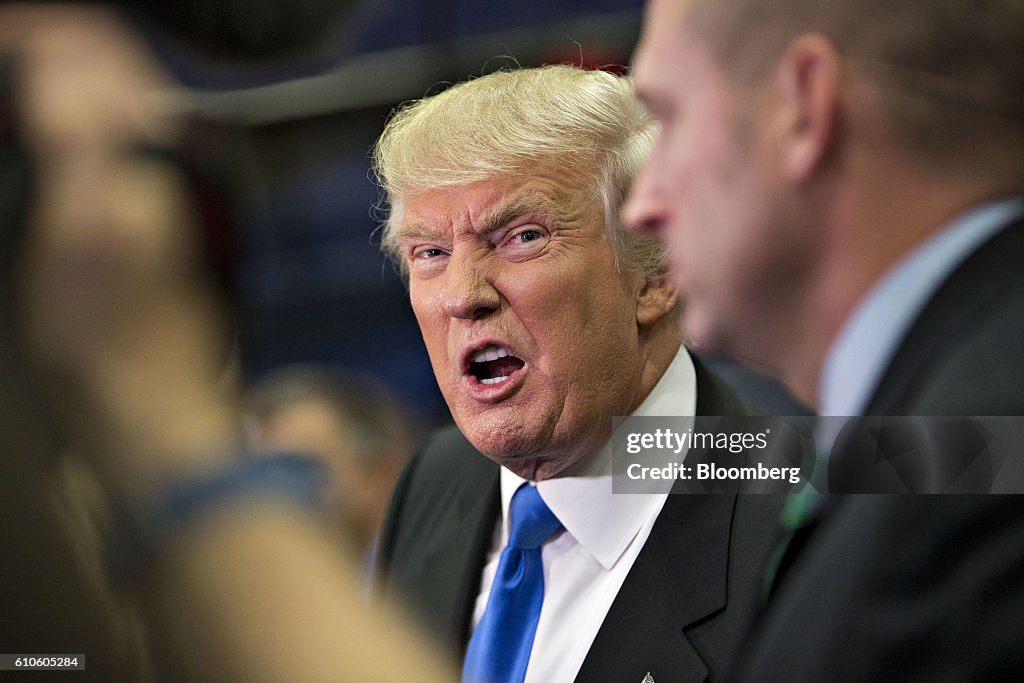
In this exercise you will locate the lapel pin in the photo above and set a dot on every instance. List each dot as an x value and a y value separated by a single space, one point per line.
648 678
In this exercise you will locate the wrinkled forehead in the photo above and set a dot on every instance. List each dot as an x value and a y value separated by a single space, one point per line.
559 194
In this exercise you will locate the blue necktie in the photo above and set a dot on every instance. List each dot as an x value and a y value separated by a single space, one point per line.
499 649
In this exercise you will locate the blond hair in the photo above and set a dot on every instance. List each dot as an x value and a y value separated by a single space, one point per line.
509 123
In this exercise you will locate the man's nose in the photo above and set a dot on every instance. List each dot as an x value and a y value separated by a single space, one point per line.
470 294
645 210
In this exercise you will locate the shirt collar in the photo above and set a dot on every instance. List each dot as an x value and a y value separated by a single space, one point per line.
871 335
603 523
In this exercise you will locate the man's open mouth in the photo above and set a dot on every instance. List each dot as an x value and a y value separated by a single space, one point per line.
493 364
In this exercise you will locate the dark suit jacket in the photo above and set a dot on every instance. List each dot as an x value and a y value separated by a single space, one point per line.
890 587
683 609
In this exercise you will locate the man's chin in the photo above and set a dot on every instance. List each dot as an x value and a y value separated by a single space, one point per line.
696 331
702 334
537 468
523 457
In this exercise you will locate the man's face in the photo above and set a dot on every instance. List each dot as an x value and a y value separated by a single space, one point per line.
710 187
531 330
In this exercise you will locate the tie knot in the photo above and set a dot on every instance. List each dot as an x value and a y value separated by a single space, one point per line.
532 521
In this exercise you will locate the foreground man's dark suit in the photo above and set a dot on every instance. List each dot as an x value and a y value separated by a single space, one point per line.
926 588
684 608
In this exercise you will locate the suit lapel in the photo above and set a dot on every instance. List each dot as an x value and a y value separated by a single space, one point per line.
447 503
678 579
977 288
459 555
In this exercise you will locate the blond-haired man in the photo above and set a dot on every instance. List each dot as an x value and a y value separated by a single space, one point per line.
543 320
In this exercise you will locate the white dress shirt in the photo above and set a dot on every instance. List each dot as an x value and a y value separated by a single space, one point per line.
585 564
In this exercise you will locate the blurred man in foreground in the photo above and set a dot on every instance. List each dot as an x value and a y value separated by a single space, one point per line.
543 320
842 185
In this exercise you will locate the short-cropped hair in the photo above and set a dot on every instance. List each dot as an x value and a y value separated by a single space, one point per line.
951 71
506 125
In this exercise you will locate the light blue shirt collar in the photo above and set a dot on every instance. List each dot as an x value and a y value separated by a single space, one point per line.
869 339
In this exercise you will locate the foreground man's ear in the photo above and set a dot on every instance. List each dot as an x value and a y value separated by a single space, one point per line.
808 78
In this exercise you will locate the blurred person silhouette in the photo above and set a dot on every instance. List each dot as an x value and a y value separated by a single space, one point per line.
354 425
842 187
53 592
543 320
113 342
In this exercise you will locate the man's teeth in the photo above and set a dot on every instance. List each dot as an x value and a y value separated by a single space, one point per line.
493 380
490 353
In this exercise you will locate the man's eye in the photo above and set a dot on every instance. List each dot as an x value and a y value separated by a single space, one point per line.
524 242
528 235
428 253
524 236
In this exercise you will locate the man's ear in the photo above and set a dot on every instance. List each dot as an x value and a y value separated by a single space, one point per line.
809 76
658 298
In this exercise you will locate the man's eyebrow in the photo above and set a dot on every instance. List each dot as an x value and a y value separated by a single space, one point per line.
414 231
533 202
